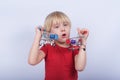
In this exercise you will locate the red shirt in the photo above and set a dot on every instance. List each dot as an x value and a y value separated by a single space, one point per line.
59 63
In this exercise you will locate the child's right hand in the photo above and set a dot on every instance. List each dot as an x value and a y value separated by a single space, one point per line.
38 32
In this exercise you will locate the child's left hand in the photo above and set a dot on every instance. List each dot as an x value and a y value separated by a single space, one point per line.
83 32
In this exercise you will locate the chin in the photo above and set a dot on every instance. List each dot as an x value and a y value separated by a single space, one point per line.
61 41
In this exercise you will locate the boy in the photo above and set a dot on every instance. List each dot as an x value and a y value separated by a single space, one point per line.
61 63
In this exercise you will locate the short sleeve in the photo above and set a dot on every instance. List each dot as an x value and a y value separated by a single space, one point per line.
76 51
44 49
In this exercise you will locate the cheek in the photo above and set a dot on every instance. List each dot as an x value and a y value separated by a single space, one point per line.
55 31
52 30
68 30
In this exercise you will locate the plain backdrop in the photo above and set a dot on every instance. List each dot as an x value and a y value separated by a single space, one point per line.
18 19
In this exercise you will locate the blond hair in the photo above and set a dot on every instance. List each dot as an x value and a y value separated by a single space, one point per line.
54 18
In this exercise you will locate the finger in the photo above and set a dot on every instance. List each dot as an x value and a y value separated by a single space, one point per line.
84 31
40 27
36 28
79 31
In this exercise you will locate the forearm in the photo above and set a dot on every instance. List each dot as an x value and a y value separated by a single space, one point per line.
33 55
80 58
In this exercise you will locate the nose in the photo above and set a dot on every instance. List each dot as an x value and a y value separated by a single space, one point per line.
62 28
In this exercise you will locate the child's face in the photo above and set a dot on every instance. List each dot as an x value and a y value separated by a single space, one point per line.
62 30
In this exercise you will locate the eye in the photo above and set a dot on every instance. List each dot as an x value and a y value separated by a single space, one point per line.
56 26
65 24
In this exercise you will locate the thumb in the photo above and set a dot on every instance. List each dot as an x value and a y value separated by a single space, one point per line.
79 32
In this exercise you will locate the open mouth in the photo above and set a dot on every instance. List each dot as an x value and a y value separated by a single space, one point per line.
64 35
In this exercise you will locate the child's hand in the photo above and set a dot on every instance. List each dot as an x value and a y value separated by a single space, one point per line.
39 31
83 32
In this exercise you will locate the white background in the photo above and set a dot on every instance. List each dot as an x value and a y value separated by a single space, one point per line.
18 19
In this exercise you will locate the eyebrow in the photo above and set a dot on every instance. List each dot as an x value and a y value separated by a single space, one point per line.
64 22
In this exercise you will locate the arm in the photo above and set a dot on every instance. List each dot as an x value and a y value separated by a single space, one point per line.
80 58
35 54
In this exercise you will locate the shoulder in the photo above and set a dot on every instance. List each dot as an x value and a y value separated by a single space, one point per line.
46 48
75 52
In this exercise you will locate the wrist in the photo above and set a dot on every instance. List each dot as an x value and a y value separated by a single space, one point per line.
83 47
37 38
83 42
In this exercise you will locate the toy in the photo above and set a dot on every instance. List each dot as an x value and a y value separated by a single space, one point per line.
74 42
47 37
